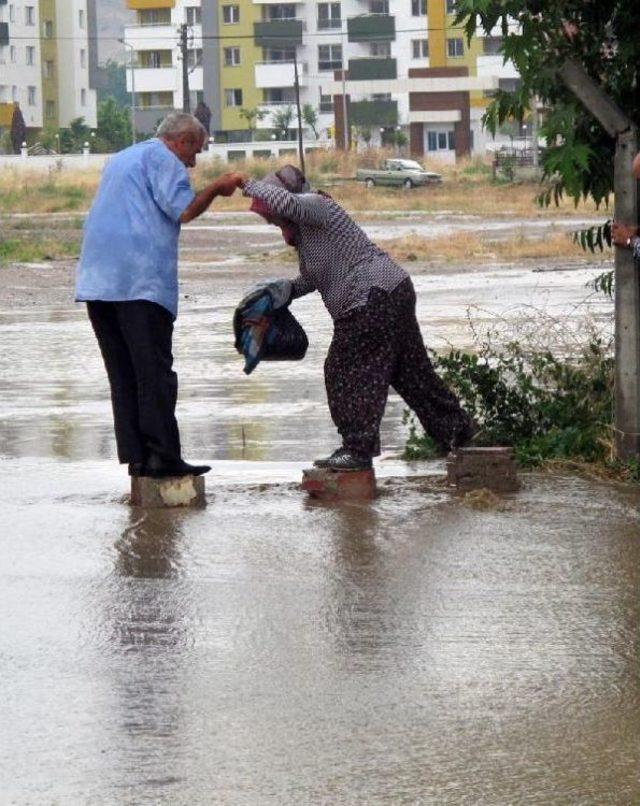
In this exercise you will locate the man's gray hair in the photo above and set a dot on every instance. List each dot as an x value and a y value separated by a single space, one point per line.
178 123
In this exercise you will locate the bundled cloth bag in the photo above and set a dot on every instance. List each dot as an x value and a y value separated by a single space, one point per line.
264 327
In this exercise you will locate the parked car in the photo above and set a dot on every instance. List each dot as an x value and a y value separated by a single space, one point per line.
398 173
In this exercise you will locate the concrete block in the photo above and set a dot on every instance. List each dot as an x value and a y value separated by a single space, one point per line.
339 485
483 468
178 491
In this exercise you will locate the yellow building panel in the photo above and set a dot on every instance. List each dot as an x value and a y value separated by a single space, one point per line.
241 77
141 5
6 114
437 33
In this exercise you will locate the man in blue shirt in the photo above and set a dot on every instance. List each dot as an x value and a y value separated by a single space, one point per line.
128 276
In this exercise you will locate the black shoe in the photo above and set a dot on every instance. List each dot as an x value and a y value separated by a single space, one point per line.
328 459
137 469
344 460
161 469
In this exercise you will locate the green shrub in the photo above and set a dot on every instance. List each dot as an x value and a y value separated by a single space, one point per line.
544 406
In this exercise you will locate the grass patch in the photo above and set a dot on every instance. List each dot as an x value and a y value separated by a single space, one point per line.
37 250
463 247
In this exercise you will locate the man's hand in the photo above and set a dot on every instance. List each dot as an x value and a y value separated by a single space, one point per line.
224 185
227 184
621 234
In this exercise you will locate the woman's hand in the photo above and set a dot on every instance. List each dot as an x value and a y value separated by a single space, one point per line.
621 234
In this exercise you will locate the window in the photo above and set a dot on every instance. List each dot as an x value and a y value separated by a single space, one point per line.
14 93
29 15
451 6
276 55
455 47
492 45
381 49
50 110
379 7
81 18
31 96
194 57
329 15
231 57
83 97
329 57
285 11
30 55
4 93
230 14
12 13
326 103
194 16
279 95
418 8
83 59
233 97
48 29
441 141
12 54
48 69
419 48
154 16
160 100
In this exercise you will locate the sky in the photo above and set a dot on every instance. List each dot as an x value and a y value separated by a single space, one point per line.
112 16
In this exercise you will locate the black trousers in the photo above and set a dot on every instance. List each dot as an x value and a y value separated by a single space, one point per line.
378 346
135 342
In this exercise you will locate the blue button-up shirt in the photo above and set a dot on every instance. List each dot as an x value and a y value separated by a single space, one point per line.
130 246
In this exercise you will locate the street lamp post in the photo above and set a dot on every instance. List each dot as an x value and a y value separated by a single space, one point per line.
133 90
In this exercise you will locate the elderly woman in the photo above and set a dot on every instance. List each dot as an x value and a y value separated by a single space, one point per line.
376 341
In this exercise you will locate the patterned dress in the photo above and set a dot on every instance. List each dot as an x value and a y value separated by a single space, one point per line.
377 341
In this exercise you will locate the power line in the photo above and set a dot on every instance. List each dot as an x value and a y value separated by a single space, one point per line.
207 37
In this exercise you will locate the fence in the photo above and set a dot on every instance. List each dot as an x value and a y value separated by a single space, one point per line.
227 152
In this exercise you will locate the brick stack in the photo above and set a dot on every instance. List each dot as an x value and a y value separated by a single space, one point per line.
334 485
483 468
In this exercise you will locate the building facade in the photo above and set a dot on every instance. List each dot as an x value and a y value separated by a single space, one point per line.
48 62
400 65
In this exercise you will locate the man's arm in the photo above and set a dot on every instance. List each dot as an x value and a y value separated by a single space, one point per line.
224 185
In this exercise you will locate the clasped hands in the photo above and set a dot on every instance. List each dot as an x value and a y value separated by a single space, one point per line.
226 184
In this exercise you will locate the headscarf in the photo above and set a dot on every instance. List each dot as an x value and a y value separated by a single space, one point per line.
292 179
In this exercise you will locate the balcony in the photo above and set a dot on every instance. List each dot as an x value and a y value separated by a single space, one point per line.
278 74
372 28
4 33
152 79
373 113
372 68
278 33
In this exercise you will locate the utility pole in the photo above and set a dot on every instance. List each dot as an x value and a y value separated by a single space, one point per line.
345 122
184 49
297 89
627 299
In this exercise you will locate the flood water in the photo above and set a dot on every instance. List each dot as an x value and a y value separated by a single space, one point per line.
272 650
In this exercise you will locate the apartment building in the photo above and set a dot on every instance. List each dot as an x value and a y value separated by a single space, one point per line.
48 61
400 64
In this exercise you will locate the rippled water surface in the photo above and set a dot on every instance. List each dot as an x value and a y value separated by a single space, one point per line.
272 650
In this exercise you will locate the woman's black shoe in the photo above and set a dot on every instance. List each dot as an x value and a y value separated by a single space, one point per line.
343 459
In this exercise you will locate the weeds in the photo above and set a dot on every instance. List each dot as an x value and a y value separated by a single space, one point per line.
549 409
